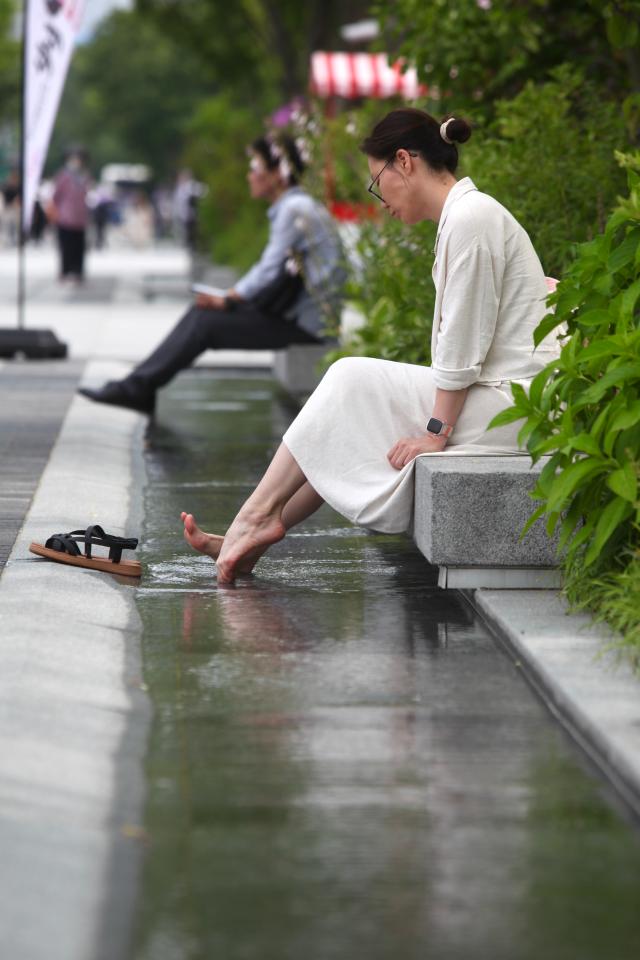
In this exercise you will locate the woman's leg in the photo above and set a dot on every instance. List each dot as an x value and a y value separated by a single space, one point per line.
63 246
302 504
260 520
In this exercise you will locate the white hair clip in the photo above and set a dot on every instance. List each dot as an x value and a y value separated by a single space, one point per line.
284 169
303 150
443 130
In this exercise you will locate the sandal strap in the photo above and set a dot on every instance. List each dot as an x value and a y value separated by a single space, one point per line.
95 535
64 543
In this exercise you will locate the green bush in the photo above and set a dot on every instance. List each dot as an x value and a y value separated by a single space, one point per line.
394 291
584 409
233 227
549 158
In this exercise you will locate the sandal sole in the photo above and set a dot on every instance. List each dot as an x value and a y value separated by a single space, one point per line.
126 568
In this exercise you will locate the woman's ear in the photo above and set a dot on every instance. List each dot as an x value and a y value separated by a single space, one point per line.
404 160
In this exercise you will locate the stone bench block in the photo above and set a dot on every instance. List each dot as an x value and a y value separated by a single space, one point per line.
469 512
298 369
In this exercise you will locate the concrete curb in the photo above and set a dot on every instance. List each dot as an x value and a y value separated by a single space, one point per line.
590 688
74 714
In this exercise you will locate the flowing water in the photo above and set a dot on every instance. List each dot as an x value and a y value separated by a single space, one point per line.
343 763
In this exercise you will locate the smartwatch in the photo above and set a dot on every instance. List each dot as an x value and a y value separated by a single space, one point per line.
438 428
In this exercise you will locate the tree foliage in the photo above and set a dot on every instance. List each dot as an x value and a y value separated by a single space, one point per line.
9 67
232 225
258 48
548 156
129 96
478 51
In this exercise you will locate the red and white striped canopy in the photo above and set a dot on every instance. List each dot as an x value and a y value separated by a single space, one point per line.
352 75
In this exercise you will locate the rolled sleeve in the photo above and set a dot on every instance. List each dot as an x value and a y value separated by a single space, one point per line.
468 316
282 239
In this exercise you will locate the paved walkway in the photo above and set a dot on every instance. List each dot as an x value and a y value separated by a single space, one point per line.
34 399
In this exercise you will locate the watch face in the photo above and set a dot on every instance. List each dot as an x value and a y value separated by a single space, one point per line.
434 425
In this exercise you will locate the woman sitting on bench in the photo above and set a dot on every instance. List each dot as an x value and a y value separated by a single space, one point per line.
354 442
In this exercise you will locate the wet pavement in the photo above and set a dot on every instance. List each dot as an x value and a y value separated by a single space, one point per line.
343 763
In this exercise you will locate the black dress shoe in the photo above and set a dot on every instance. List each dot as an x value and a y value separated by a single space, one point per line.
117 395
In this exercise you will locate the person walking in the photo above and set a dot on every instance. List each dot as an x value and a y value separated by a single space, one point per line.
355 441
289 296
69 211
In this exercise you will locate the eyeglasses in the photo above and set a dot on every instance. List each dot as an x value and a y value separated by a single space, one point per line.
379 174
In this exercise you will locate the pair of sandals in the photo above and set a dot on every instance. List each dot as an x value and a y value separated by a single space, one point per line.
63 548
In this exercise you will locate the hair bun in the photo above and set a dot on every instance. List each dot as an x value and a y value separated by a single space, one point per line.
456 130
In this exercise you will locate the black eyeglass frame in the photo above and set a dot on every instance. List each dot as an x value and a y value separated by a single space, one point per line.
380 172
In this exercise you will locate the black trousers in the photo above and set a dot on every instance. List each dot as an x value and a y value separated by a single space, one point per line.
201 329
72 247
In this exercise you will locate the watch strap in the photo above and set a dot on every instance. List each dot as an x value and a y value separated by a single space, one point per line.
446 429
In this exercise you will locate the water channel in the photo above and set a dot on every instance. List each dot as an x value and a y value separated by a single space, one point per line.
343 763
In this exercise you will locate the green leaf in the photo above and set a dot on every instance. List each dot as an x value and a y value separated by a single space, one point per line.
510 415
615 513
599 423
557 441
519 395
612 378
626 252
537 513
585 443
537 385
552 523
567 481
568 300
530 426
624 482
593 318
626 418
546 325
546 478
601 348
569 524
630 298
581 537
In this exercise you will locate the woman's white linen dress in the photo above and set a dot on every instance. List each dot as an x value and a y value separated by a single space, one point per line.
490 296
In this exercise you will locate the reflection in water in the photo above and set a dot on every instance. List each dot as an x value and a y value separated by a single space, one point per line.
343 764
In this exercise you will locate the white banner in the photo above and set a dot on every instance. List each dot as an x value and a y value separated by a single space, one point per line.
51 27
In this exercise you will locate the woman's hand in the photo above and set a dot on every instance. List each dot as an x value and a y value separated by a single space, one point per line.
406 450
209 301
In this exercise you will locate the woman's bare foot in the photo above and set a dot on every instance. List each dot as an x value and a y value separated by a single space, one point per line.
211 543
250 534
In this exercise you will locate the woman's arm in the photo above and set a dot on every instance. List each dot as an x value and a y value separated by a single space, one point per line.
447 407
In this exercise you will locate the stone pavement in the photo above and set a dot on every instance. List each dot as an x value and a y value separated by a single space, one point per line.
111 317
34 399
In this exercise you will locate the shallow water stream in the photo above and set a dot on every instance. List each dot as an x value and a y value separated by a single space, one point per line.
343 763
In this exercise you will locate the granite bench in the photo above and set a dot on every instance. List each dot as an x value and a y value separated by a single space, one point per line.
298 368
469 513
